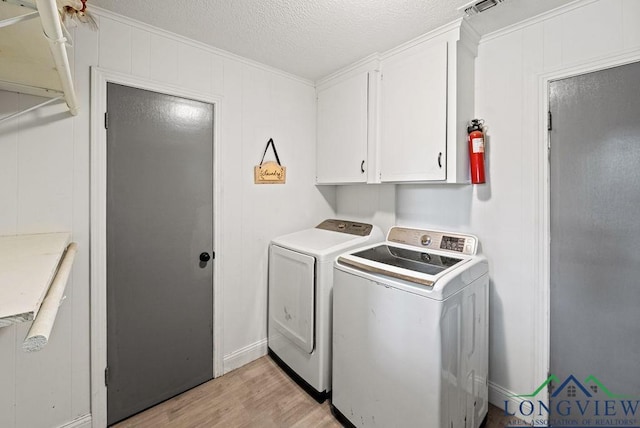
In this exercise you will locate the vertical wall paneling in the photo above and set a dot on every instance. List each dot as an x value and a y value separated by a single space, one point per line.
39 146
259 103
232 172
9 140
163 59
505 212
7 374
45 169
630 27
592 31
271 106
217 74
194 68
45 160
532 65
552 38
115 45
375 204
256 129
86 49
43 378
140 52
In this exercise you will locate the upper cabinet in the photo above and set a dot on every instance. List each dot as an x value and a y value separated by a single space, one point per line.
413 114
419 98
343 127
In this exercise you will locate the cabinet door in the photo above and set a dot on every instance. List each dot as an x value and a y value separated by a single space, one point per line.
342 131
413 118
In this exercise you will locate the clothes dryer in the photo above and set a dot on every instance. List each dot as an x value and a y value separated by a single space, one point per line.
300 293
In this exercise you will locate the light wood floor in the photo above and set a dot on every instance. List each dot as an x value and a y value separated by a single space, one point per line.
259 394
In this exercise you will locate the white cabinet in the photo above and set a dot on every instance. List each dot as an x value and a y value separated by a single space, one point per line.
426 100
342 136
401 116
413 114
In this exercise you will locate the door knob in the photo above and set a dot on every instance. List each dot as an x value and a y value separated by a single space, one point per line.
205 257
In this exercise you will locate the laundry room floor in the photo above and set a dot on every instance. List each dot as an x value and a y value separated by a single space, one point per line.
259 394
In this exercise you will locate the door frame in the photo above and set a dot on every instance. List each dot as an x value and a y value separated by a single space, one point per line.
98 217
542 302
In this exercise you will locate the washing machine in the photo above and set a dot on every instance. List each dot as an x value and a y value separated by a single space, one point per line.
410 332
300 292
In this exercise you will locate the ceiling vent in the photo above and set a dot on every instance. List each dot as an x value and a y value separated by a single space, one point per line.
476 7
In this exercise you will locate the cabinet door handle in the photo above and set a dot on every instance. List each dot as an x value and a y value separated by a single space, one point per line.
440 160
362 167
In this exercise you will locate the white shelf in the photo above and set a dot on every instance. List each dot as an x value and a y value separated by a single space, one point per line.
28 265
33 55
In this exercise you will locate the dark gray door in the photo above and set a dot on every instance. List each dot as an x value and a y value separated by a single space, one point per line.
159 221
595 243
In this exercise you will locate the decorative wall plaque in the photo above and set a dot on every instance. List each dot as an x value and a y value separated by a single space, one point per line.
270 172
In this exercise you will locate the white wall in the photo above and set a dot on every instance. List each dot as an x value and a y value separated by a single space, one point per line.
367 203
44 186
504 212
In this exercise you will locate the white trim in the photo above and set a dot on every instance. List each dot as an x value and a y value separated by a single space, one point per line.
467 35
196 44
536 19
99 79
81 422
370 63
429 37
245 355
542 302
498 395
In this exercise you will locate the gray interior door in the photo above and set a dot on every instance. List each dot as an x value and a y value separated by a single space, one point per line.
595 243
159 221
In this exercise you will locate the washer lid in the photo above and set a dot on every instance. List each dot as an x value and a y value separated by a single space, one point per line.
417 261
404 263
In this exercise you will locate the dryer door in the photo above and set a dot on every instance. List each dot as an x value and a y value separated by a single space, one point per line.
292 295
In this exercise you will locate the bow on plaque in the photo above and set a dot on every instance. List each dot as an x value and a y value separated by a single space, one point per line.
270 172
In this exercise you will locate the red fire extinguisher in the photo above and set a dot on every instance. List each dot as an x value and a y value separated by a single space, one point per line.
476 150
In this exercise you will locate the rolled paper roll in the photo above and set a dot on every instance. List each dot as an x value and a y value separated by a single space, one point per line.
40 330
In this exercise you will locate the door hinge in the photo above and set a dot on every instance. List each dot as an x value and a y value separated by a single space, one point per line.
213 255
549 385
106 376
549 122
106 120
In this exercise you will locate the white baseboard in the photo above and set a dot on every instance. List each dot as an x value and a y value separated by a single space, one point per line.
498 395
81 422
244 355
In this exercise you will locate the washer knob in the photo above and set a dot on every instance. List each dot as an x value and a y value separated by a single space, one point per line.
425 239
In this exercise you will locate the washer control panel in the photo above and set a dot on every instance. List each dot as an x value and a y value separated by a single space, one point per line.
344 226
445 241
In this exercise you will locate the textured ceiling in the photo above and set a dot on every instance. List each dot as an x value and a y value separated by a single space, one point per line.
309 38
